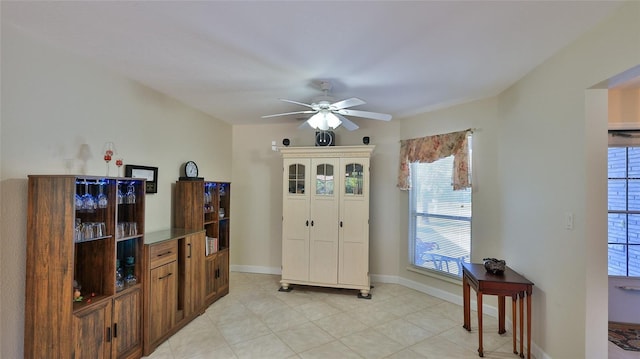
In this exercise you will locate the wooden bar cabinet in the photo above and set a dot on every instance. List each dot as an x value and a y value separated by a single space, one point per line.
83 274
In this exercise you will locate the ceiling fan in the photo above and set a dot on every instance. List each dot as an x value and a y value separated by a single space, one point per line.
328 114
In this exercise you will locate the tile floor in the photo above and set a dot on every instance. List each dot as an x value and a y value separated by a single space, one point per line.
617 353
256 321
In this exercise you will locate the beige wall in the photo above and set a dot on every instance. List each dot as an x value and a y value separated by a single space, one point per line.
624 106
53 103
552 156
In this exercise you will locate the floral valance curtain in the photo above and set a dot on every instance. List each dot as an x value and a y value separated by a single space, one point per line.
432 148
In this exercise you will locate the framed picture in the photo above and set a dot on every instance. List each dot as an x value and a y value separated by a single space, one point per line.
148 173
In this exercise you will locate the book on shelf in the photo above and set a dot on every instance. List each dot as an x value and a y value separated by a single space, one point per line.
211 245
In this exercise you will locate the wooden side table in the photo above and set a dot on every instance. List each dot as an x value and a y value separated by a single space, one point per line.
510 284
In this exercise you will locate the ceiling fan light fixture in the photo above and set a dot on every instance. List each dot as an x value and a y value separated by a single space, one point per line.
332 120
324 120
315 121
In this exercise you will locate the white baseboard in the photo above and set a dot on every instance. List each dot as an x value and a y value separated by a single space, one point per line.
255 269
381 278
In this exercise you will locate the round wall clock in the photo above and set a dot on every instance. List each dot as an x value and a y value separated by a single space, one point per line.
190 169
190 172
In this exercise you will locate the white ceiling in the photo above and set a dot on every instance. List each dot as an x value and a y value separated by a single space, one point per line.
235 59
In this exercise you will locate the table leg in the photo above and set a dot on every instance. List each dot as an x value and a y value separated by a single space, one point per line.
437 262
529 325
479 300
522 325
514 319
466 293
501 307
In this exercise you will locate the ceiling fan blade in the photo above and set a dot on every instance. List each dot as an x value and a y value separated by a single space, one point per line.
304 125
365 114
297 103
288 113
346 123
350 102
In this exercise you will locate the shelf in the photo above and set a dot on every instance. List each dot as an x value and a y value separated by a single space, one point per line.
88 302
128 287
92 239
128 238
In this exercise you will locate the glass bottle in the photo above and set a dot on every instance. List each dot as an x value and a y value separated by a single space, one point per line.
119 277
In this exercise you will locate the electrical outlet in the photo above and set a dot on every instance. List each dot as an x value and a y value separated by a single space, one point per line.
568 221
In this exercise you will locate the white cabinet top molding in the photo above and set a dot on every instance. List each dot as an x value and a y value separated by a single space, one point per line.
325 152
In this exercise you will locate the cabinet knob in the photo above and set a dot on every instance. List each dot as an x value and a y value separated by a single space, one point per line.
311 223
307 223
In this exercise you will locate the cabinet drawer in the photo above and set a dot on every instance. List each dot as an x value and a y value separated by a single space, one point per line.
163 253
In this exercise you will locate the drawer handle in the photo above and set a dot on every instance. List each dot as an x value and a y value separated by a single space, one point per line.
164 254
166 276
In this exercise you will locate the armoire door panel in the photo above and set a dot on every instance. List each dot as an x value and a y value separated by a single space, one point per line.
324 238
295 259
324 261
354 263
295 239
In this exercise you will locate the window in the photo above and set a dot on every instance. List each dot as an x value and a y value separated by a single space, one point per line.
624 211
440 218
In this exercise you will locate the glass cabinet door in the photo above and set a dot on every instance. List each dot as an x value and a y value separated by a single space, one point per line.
324 179
353 181
296 178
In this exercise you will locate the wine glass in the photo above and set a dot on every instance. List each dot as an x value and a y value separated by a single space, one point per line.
102 198
79 202
131 194
118 164
109 148
207 198
88 201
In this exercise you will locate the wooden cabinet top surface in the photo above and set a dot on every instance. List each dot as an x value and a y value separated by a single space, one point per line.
168 234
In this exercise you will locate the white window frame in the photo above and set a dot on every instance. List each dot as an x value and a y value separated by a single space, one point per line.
630 139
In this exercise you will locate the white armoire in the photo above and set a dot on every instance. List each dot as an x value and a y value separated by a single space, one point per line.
325 217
